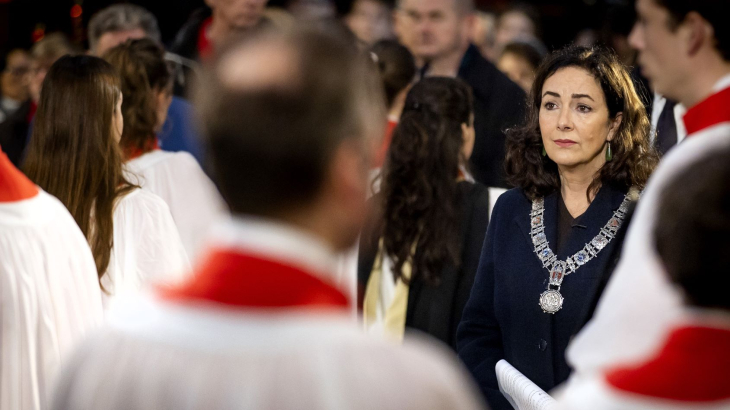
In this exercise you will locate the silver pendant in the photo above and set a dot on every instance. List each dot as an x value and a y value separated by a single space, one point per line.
551 301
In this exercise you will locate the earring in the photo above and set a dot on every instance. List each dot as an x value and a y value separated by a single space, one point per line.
609 154
544 153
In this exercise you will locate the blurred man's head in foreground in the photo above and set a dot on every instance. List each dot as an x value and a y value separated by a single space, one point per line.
693 231
288 118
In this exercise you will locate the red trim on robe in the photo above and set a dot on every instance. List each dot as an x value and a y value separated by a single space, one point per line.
382 151
14 185
205 46
237 279
693 366
713 110
133 153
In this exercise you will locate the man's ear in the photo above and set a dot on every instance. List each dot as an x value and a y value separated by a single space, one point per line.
698 32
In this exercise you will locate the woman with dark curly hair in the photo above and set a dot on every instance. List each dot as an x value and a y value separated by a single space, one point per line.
420 250
576 165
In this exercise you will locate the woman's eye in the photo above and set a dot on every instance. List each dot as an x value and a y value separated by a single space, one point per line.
550 105
584 108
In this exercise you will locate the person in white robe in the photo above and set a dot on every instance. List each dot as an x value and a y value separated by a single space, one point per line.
691 369
49 291
74 155
175 177
262 323
639 305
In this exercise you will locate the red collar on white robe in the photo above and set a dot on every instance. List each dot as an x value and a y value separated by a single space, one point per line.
14 186
693 366
713 110
260 264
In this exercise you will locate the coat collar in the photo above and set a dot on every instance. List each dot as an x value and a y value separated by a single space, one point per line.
607 201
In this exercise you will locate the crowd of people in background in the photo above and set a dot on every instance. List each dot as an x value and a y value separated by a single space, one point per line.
325 207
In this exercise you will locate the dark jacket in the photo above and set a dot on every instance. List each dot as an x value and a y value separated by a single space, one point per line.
498 104
437 310
503 320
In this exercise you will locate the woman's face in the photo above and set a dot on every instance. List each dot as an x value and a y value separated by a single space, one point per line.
118 120
517 69
574 119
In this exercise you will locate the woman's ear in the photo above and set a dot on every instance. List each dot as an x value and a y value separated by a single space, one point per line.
615 123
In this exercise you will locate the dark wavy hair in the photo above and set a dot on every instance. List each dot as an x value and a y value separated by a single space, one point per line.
634 158
420 195
143 72
73 154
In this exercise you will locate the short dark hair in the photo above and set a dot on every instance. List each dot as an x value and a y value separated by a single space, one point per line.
270 145
633 157
396 66
692 230
715 12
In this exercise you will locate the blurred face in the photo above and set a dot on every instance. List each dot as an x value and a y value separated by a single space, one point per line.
15 79
518 70
111 39
118 120
238 14
431 28
574 120
370 20
514 26
662 54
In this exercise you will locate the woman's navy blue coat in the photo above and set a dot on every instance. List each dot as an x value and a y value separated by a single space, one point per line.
503 320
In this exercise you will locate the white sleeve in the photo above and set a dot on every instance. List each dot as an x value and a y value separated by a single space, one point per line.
147 247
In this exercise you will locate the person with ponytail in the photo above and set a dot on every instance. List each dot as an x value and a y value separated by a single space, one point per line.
74 155
176 177
420 250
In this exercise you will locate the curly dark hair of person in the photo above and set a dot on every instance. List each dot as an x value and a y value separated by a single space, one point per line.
73 153
420 195
144 72
634 158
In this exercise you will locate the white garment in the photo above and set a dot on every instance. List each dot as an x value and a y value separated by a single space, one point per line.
199 355
194 201
49 297
147 247
639 304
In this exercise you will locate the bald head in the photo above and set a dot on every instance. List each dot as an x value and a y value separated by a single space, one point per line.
275 107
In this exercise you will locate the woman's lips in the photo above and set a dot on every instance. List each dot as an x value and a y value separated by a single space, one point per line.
565 143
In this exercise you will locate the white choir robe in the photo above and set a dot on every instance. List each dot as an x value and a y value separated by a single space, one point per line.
691 371
259 326
640 305
194 201
147 248
49 290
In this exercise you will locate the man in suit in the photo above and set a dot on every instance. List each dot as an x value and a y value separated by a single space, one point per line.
684 51
437 34
263 323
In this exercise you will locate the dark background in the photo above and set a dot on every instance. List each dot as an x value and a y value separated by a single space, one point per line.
19 19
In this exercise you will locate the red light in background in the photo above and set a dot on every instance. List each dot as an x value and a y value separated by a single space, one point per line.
76 11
